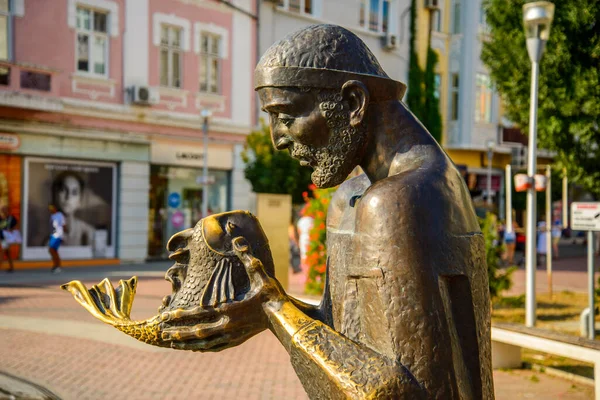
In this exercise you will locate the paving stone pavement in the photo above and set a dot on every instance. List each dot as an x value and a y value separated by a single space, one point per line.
50 340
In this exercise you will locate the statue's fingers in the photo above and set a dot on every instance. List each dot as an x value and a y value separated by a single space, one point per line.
202 313
200 331
254 267
212 344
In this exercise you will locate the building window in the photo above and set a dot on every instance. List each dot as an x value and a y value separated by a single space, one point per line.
210 46
436 20
437 85
374 15
170 56
483 98
298 6
454 102
92 42
35 81
4 76
5 30
456 17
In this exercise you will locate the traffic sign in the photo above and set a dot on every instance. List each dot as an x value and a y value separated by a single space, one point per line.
177 219
174 200
585 216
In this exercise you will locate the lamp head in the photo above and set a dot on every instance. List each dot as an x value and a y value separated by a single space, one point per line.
491 144
537 19
206 113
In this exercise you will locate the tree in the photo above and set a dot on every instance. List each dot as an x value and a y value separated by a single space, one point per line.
569 86
421 98
414 96
272 171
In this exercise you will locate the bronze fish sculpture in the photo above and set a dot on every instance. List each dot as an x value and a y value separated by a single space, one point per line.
207 274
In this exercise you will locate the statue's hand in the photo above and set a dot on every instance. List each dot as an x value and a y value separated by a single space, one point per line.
228 324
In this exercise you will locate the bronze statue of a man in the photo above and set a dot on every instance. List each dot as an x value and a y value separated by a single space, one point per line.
406 311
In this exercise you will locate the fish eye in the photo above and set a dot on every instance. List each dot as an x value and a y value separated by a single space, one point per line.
230 227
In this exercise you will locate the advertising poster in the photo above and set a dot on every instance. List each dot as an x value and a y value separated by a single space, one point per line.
85 192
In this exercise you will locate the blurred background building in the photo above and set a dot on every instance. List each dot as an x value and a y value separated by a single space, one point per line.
471 109
100 105
382 24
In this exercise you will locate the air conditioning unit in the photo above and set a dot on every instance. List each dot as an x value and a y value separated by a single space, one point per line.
144 95
390 42
432 4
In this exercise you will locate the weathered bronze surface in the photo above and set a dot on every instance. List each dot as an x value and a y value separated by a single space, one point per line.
406 312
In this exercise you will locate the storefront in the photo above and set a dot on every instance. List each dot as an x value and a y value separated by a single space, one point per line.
83 178
176 189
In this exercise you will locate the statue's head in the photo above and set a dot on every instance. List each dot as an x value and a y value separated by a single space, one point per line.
316 85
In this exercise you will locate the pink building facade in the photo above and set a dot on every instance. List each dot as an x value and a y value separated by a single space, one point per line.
100 104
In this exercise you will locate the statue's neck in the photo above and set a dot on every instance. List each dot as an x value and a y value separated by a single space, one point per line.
392 130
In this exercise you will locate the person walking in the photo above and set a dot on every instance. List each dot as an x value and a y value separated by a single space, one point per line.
294 249
541 242
7 226
304 226
556 235
57 223
510 244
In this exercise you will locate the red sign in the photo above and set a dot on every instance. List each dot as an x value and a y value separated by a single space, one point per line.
177 219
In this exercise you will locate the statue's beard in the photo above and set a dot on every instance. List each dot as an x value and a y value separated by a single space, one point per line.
335 161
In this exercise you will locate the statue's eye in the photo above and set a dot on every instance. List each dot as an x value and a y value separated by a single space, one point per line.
229 227
285 119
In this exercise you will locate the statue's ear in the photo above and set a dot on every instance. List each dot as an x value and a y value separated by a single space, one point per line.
357 96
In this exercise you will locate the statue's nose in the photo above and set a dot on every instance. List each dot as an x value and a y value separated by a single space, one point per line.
280 140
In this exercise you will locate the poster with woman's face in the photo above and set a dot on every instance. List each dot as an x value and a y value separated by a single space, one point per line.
84 192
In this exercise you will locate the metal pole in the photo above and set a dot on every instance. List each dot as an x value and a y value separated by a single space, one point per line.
549 238
530 244
592 323
565 199
508 179
489 177
205 170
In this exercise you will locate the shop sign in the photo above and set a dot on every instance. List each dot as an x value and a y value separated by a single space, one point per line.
174 200
192 155
177 219
8 141
185 155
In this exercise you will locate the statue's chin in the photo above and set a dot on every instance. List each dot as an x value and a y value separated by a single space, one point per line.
327 179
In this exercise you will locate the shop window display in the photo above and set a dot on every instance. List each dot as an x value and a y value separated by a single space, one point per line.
85 193
176 202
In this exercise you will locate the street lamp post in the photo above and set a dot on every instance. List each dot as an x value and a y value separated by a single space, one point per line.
490 155
205 114
537 18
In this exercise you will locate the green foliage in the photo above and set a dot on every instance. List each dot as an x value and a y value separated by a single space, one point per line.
420 98
316 256
499 279
432 119
272 171
414 96
569 84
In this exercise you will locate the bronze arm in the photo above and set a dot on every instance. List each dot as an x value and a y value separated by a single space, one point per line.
329 364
